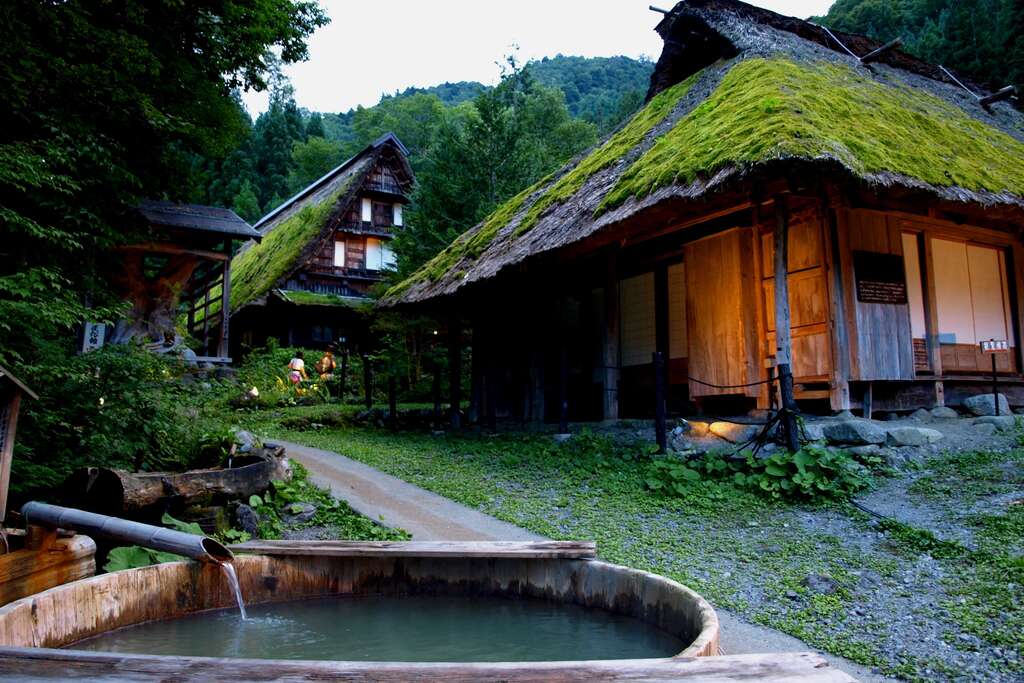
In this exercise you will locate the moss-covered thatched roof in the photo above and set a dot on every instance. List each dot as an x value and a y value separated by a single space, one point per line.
297 229
740 90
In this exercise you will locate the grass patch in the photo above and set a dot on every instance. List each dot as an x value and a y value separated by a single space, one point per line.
304 298
970 475
769 109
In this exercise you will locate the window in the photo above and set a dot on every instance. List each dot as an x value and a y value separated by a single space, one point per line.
398 215
367 215
374 254
636 300
382 214
971 299
339 253
388 257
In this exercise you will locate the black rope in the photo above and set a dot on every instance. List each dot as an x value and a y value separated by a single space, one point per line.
730 386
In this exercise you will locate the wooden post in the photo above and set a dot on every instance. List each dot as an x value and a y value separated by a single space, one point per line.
225 305
9 405
344 374
867 400
839 383
783 342
435 390
476 374
392 403
367 380
455 370
659 401
563 388
491 383
611 338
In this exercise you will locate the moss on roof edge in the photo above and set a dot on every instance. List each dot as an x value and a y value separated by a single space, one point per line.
768 109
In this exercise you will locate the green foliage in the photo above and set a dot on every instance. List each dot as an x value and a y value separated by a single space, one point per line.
283 498
771 109
982 40
812 472
311 160
119 407
215 448
106 103
134 556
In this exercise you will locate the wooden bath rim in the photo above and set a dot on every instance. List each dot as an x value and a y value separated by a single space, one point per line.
66 614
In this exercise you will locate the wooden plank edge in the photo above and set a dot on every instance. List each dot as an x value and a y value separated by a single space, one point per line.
53 664
512 549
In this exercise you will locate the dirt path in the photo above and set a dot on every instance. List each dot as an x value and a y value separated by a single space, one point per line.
428 516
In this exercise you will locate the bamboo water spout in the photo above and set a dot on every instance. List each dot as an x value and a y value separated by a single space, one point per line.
199 548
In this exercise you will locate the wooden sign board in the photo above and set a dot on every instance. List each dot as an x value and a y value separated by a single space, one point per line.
995 346
94 336
879 277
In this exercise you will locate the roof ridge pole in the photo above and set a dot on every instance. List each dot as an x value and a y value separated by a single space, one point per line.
957 81
879 51
839 42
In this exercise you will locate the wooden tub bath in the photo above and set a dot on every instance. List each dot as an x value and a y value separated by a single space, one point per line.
61 616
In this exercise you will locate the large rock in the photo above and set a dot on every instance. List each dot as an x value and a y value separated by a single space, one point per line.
248 519
1003 423
733 432
912 436
698 428
922 415
299 513
944 413
821 584
984 404
984 429
854 433
814 431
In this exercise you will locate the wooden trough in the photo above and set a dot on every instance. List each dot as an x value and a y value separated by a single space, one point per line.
40 560
64 615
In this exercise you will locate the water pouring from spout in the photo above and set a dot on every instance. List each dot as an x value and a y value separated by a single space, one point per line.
232 576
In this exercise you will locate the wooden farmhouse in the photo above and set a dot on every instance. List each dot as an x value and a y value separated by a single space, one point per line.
893 194
321 252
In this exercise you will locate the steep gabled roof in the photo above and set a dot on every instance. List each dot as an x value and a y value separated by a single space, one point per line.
294 231
738 92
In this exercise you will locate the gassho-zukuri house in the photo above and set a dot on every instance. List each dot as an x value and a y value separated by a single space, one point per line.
321 252
898 194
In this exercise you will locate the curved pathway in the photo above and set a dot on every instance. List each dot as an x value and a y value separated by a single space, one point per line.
430 517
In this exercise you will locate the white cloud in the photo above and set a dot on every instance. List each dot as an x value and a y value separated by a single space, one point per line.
371 48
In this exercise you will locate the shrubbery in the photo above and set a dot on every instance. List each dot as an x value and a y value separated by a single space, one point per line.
811 472
119 406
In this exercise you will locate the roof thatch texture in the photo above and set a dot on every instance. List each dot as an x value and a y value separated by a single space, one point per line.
297 229
738 91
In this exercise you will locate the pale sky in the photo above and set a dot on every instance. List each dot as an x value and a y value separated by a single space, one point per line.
381 46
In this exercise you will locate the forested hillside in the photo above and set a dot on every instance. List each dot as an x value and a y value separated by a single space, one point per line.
471 146
980 39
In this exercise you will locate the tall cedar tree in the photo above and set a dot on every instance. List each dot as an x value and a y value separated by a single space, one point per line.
104 104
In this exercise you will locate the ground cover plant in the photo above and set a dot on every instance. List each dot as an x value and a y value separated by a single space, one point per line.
898 596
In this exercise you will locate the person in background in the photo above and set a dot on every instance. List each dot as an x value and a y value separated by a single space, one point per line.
297 368
326 365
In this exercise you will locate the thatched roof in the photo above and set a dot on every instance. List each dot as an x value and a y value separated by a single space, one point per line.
737 92
297 229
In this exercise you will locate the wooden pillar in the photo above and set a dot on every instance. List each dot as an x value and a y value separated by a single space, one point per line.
206 322
563 388
661 327
536 380
344 375
612 319
476 373
10 401
868 400
659 401
839 385
931 312
435 390
783 341
455 370
225 308
367 380
392 403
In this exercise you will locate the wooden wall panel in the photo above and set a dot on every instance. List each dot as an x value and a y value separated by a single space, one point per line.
883 348
638 324
808 297
721 312
677 343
